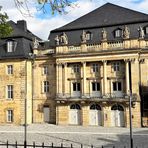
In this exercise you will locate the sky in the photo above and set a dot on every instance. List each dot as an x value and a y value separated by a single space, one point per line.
42 23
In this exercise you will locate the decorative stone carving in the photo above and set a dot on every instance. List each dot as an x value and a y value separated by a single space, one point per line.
104 34
83 37
126 32
64 39
141 32
57 40
35 43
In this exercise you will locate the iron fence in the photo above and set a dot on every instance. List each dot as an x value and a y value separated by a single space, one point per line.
34 145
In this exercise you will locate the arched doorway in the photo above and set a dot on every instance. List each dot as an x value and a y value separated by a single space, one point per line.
117 116
74 114
95 115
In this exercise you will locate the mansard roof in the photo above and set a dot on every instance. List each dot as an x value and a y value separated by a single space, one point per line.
106 15
109 17
23 38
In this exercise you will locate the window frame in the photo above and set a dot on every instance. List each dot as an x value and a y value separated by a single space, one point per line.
10 90
11 46
117 85
118 33
95 67
76 86
76 68
10 115
9 69
45 70
146 30
116 66
45 86
95 86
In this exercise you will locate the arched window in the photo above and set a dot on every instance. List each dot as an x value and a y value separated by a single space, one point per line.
75 106
95 107
117 107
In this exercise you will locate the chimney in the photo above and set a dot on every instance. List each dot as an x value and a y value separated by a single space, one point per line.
22 25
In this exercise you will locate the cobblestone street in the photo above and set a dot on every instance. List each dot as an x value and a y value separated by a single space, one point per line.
75 135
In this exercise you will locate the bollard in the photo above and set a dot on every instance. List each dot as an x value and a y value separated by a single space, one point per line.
71 146
25 144
33 144
81 145
52 145
7 143
61 145
16 144
43 145
91 146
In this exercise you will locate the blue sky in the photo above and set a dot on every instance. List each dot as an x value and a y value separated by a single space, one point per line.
41 24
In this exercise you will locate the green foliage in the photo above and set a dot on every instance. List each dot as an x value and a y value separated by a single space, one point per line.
5 28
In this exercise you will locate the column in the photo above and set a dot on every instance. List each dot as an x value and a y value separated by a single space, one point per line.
104 78
127 75
57 78
65 79
60 79
84 79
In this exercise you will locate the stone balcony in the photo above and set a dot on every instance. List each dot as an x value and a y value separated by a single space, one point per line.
109 97
110 45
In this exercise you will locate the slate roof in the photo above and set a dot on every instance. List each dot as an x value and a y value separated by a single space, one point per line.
22 36
106 15
110 17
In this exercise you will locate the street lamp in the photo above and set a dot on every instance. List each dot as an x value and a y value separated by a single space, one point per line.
130 108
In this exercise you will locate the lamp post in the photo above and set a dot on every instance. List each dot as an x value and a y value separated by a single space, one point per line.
130 119
25 108
130 108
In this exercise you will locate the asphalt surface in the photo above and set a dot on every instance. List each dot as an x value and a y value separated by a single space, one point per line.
75 135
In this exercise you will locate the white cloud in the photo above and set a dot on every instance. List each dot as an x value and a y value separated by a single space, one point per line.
42 26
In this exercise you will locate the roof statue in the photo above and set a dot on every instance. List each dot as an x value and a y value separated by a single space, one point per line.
141 32
64 39
126 32
83 37
35 43
57 40
104 34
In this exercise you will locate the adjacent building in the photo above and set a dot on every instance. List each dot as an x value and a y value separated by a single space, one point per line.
81 76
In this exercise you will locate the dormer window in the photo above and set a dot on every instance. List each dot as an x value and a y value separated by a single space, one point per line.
146 30
88 35
118 33
11 46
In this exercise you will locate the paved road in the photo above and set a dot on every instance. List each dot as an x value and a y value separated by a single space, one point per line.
75 135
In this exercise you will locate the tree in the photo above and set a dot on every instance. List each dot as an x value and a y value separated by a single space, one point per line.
54 5
5 28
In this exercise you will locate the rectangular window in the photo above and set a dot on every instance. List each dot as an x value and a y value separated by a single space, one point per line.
9 69
45 70
11 46
117 86
95 67
46 87
146 30
76 86
118 33
10 91
95 86
76 68
116 66
9 115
